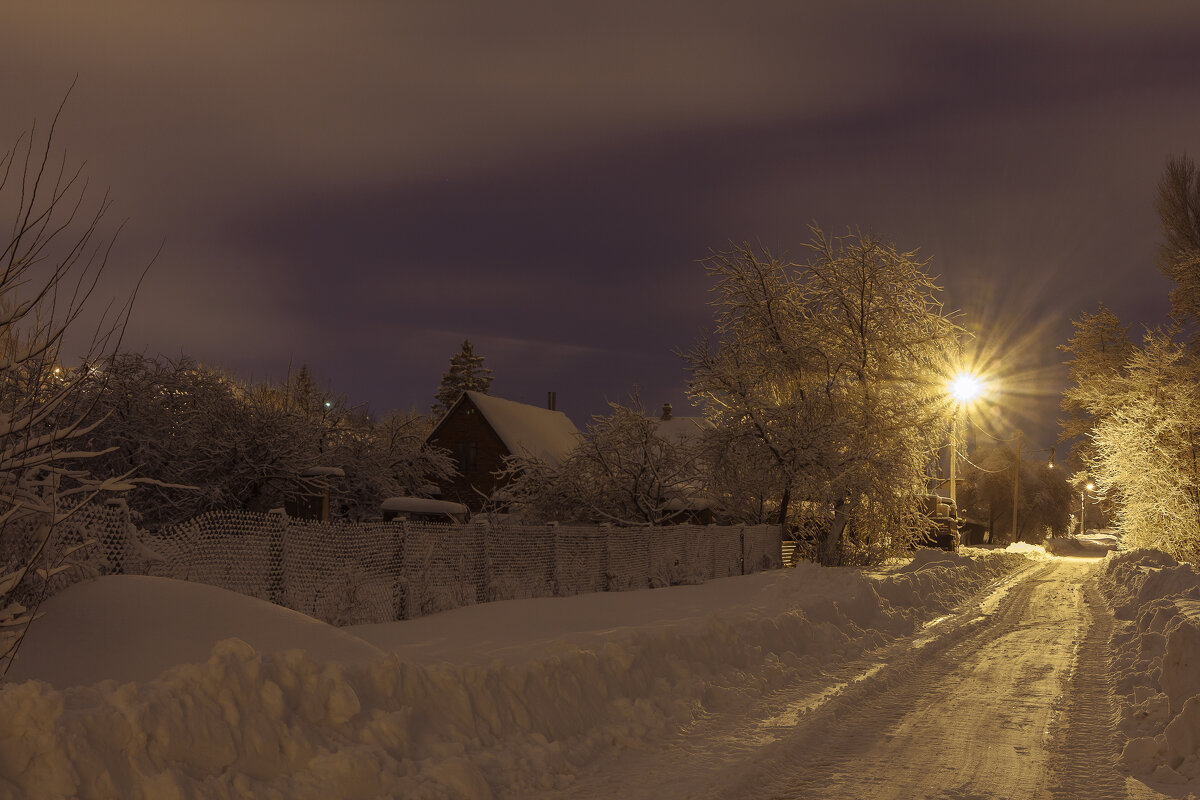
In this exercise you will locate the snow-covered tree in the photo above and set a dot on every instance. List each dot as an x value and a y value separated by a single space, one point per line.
742 480
830 375
466 374
1147 448
386 458
54 255
200 439
623 472
1100 350
1138 406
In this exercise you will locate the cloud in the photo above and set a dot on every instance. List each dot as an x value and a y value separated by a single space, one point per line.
335 176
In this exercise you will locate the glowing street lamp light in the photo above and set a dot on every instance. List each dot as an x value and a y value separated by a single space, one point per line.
965 387
1082 499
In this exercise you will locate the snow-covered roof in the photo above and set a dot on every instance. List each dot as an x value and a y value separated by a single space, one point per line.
528 430
680 428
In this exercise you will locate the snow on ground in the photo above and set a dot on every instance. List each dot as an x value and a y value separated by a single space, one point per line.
1156 663
130 687
1095 544
133 627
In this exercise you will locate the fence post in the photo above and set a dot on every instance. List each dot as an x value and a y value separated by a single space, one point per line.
116 534
396 529
552 576
605 562
483 529
276 534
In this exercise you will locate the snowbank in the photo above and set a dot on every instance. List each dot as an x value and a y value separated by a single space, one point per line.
499 699
1156 661
88 631
1090 545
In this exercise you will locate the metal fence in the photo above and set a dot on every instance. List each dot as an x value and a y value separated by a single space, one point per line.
383 571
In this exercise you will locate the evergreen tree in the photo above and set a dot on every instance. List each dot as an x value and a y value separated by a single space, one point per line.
466 374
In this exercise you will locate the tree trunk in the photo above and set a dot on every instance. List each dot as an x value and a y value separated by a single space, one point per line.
783 507
831 548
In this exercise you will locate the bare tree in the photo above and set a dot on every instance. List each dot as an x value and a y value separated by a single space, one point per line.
54 256
1178 206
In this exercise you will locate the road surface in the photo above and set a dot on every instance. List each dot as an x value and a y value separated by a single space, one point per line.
1005 698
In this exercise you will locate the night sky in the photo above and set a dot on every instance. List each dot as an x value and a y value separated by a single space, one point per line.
360 185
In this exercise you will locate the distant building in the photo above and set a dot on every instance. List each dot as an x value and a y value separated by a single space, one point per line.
679 429
692 508
480 431
309 497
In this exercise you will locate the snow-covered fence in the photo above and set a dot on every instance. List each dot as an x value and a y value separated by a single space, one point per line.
382 571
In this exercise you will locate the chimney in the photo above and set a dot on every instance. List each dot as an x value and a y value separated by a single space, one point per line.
552 401
666 411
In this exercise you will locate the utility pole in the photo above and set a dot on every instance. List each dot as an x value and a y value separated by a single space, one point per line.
1016 485
954 458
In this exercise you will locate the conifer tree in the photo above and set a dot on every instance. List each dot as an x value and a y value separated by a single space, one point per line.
466 374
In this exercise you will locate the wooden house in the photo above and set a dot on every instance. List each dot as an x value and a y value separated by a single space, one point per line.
480 431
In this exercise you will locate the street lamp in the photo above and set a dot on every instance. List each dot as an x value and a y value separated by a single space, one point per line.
964 387
1082 497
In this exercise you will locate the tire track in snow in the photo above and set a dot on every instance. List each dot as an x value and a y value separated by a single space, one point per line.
711 757
1084 746
967 716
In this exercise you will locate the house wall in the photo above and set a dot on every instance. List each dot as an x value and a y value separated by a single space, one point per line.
465 426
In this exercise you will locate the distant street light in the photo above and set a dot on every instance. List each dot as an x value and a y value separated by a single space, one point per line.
1082 499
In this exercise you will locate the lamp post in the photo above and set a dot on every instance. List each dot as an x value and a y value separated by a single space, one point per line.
1082 499
964 388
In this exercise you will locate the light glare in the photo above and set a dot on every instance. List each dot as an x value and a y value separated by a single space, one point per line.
965 387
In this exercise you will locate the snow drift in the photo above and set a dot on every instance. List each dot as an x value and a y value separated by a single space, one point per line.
1156 661
602 672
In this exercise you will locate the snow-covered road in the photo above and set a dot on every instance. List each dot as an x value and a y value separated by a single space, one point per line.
989 701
